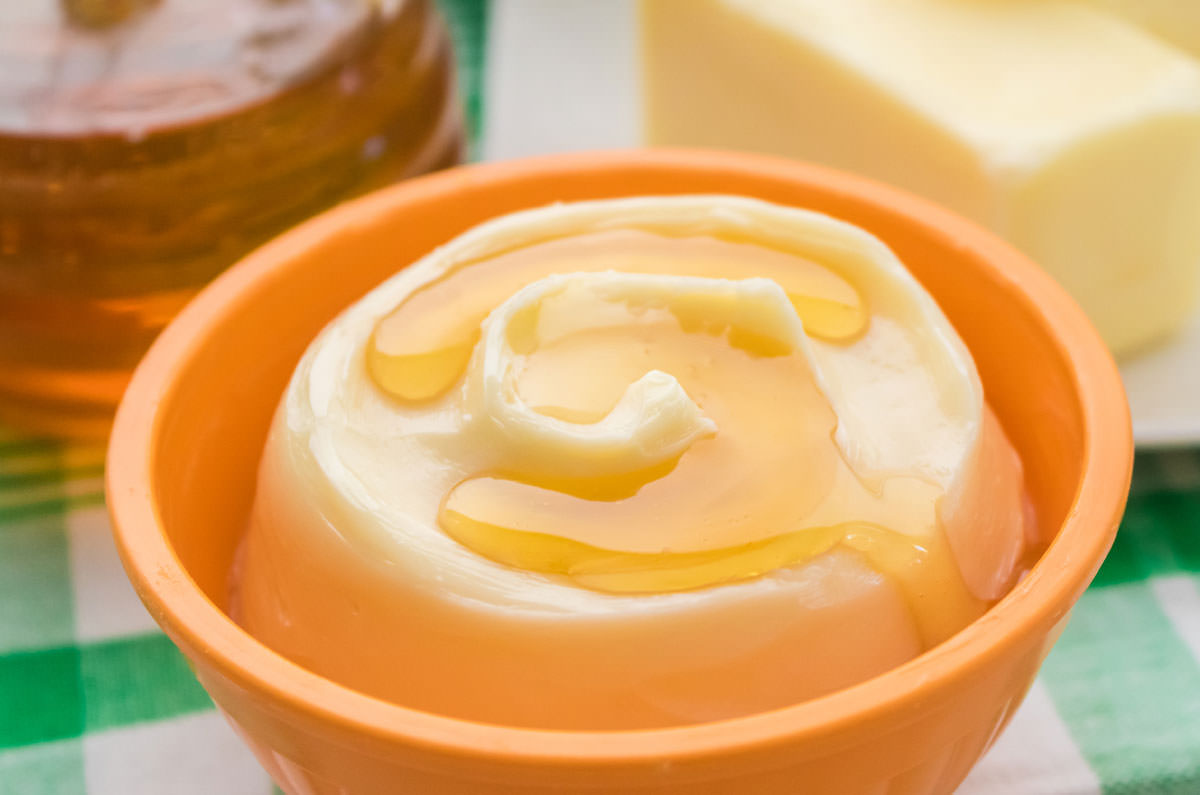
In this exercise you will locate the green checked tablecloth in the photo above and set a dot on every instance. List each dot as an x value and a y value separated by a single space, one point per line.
93 699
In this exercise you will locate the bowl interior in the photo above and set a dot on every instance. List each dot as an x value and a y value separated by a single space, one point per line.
249 329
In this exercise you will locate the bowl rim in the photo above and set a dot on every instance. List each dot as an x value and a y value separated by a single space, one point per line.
1042 598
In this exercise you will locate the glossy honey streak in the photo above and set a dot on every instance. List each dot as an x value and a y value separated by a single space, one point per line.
420 350
769 489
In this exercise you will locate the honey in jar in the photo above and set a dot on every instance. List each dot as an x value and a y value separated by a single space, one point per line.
146 144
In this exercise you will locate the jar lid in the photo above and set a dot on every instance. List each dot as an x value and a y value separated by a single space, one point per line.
91 67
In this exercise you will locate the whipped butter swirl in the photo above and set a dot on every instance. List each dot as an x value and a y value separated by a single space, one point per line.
631 463
614 405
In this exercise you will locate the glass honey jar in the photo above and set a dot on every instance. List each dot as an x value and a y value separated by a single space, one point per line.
146 144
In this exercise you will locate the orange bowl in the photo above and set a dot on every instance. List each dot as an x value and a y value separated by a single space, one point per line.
185 447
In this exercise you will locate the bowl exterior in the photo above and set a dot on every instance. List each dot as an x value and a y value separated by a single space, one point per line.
931 754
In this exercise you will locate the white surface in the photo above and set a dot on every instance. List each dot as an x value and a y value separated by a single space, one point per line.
105 603
1035 756
194 755
563 75
1164 390
1179 597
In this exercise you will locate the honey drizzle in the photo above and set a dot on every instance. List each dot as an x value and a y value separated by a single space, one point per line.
748 501
420 350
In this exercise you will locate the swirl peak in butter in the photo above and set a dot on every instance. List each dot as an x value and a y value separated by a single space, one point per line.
682 413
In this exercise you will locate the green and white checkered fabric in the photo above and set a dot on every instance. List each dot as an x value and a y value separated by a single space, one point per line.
87 683
94 700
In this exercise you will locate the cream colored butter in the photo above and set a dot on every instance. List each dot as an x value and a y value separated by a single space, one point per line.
345 568
1174 21
907 397
1066 128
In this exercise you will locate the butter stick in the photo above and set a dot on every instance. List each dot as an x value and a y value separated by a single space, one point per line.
1065 127
1175 21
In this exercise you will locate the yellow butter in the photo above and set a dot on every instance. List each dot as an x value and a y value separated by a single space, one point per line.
1175 21
1066 128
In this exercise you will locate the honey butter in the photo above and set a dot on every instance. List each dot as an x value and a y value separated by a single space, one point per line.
632 463
1071 128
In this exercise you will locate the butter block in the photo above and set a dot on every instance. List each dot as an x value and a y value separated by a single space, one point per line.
1064 127
1175 21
